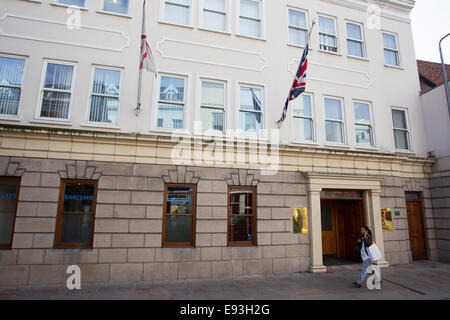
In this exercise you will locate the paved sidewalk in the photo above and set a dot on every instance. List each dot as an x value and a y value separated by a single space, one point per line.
420 280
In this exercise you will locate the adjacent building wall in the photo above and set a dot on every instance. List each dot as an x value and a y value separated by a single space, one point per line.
436 117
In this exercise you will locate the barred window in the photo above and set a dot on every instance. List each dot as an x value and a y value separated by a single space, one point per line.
56 94
11 77
105 96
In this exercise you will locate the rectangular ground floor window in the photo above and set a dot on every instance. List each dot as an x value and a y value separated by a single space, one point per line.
179 215
76 214
9 195
241 216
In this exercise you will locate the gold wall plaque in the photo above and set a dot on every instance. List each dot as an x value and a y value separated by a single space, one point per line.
386 219
300 220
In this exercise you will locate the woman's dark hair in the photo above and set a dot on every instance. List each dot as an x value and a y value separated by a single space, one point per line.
368 230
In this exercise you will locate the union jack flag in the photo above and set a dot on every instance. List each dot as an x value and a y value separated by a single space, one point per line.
299 84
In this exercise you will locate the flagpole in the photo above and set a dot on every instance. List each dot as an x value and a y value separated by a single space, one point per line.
138 103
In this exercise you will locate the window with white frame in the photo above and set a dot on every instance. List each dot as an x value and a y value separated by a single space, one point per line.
302 109
116 6
328 34
251 109
171 102
11 76
250 18
334 120
78 3
104 106
401 130
56 93
215 15
177 11
391 53
363 124
355 40
212 109
298 29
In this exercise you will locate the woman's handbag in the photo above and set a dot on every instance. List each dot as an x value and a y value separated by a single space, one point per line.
374 252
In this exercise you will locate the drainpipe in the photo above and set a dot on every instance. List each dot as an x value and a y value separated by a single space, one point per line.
444 72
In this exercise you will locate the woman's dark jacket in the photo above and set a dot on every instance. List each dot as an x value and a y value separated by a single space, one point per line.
367 243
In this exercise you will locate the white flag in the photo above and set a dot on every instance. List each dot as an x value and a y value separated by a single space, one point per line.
147 59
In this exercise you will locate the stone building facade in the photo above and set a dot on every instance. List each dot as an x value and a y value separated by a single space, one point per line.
118 179
128 219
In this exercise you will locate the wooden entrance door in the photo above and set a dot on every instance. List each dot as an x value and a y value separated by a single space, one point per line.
349 217
328 217
341 225
415 226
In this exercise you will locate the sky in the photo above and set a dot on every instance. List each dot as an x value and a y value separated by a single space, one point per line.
430 21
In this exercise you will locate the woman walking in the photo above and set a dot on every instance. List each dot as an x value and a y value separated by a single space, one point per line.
363 243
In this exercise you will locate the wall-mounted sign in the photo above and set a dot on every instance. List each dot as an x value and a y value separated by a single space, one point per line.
7 195
179 200
78 197
386 219
300 220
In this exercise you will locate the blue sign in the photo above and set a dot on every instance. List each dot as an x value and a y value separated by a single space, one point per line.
249 237
179 200
7 195
78 197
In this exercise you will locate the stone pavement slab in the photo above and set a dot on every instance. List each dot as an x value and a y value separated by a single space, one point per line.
421 280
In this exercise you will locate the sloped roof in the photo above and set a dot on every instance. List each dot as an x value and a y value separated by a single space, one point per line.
432 71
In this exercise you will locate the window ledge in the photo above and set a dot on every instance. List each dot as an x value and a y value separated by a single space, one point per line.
250 37
394 67
252 138
306 143
215 31
54 122
170 132
176 24
367 148
115 14
62 5
297 46
11 118
330 52
99 125
357 58
207 135
339 146
408 152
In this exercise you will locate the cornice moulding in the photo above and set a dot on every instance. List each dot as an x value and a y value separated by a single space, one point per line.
392 9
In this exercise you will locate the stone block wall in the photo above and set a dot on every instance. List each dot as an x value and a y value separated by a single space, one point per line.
440 197
396 242
128 224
